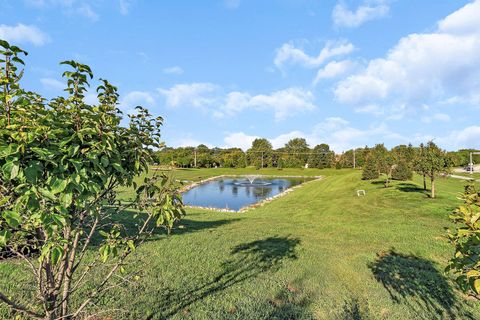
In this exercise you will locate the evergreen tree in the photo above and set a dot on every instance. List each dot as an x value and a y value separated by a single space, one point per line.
402 171
370 170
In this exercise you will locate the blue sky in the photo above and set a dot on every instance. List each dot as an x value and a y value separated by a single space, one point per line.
222 72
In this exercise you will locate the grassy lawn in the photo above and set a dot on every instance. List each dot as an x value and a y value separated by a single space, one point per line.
320 252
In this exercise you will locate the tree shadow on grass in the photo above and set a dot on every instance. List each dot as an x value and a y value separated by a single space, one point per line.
184 226
353 309
416 282
246 261
410 187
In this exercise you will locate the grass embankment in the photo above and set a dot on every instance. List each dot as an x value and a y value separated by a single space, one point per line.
320 252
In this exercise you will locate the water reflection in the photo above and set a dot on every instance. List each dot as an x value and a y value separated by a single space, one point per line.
228 193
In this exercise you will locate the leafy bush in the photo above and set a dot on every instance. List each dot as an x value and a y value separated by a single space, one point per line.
466 240
402 171
62 163
370 170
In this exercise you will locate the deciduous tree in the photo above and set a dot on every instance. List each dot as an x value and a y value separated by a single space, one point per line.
62 164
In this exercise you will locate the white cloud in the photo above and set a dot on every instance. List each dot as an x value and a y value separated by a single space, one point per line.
334 69
173 70
22 33
370 109
462 21
284 103
136 98
52 84
466 138
437 117
200 94
86 10
289 54
344 17
423 67
239 140
69 7
190 142
124 6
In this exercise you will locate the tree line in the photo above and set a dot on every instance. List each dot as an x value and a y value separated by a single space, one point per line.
296 153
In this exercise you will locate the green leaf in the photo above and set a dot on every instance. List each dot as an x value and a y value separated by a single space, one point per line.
46 193
56 254
118 167
11 169
58 185
5 235
105 161
66 199
33 171
476 286
13 218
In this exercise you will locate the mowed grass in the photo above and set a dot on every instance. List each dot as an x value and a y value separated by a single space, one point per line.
319 252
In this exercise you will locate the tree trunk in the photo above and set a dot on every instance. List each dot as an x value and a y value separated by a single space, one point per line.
424 182
433 186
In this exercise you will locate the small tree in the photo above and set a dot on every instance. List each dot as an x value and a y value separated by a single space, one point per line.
370 170
62 164
384 161
402 171
466 240
435 163
420 164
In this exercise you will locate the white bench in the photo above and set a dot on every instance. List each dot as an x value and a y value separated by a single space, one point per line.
360 193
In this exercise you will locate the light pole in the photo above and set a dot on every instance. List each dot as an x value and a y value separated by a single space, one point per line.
470 165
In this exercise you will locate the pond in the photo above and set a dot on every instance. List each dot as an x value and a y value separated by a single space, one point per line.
237 192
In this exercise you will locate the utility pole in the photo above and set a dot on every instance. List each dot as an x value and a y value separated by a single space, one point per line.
195 157
470 165
354 164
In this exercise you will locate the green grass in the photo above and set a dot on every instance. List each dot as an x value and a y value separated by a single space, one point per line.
319 252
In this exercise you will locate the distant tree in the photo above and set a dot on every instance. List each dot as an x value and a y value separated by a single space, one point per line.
466 240
401 170
420 164
260 154
321 157
370 169
296 153
384 161
435 163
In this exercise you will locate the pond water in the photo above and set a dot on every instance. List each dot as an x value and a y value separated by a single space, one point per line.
236 193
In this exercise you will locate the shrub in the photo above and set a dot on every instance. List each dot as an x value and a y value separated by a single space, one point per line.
402 171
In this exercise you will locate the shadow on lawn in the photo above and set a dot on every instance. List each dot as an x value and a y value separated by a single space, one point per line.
417 283
410 187
246 261
184 226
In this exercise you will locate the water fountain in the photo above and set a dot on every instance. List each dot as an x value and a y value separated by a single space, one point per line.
251 182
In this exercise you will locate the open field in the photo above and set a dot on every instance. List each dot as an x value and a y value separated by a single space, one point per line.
320 252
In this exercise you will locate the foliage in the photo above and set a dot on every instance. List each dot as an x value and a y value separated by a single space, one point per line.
402 171
261 153
384 161
370 170
434 163
466 240
62 163
322 157
295 153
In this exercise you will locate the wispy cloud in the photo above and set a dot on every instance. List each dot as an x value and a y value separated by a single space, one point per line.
173 70
22 33
344 17
288 53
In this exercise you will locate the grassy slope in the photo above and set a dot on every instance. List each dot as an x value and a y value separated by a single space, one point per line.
319 252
